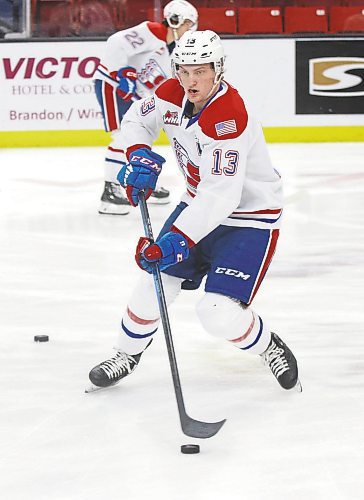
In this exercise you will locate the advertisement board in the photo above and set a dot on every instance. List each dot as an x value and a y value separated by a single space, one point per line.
48 86
300 89
330 77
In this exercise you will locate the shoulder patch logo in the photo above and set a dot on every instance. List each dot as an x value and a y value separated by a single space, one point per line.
226 127
170 118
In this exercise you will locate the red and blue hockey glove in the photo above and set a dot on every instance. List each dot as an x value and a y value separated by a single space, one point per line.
140 174
127 83
170 249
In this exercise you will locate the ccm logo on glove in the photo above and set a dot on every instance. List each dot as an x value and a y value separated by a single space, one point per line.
141 174
146 161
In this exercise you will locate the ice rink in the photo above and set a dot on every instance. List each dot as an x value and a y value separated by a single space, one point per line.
67 272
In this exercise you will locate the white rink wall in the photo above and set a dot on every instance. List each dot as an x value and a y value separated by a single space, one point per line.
288 83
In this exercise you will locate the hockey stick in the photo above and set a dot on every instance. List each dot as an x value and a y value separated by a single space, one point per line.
190 427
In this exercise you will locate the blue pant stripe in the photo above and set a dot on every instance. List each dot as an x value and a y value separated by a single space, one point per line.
136 335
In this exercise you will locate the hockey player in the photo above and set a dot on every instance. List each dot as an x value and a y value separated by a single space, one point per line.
226 226
135 62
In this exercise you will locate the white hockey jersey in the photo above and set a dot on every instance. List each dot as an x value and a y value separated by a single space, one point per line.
222 154
143 47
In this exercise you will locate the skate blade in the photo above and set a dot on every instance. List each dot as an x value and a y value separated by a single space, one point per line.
298 386
110 209
94 388
159 201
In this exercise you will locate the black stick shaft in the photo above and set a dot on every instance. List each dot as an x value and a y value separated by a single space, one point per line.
163 310
190 426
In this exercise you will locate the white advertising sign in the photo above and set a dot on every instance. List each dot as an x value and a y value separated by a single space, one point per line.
48 86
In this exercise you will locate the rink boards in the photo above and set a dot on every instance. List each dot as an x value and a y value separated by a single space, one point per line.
302 90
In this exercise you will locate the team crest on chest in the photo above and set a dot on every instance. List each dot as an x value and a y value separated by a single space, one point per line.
170 118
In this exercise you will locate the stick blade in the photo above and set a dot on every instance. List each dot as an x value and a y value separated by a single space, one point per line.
197 429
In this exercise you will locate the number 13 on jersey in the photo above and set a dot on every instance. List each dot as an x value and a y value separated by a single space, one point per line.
226 164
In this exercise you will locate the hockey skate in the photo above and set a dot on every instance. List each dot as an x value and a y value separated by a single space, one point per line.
282 363
113 201
159 197
111 371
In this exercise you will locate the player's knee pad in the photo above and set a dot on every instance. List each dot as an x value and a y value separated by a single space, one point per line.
232 320
222 316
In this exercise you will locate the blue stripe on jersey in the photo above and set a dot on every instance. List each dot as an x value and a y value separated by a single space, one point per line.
257 338
269 221
115 161
136 335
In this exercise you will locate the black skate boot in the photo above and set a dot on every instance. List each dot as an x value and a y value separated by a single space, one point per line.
159 197
282 363
112 370
113 201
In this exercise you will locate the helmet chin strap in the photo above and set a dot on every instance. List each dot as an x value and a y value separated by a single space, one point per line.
216 85
213 90
175 34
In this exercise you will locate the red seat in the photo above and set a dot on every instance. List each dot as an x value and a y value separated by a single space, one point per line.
135 11
217 19
93 17
260 20
266 3
226 4
349 19
305 20
52 18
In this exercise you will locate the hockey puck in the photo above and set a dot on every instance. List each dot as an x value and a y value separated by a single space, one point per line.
190 449
41 338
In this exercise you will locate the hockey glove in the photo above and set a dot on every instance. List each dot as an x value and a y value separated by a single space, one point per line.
170 249
140 174
127 83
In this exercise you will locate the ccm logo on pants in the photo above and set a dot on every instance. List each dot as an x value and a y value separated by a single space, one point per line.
232 272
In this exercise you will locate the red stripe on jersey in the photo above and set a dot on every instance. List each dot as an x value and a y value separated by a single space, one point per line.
116 150
171 91
265 264
192 182
158 30
130 149
193 172
111 113
138 320
191 193
244 336
268 211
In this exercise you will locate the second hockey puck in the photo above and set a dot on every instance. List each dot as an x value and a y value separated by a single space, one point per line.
41 338
190 449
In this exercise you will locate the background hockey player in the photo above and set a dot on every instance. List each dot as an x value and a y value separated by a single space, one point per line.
227 225
135 62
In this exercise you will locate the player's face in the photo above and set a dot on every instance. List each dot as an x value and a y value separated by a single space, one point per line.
197 81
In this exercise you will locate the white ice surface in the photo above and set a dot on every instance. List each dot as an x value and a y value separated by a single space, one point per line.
66 271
